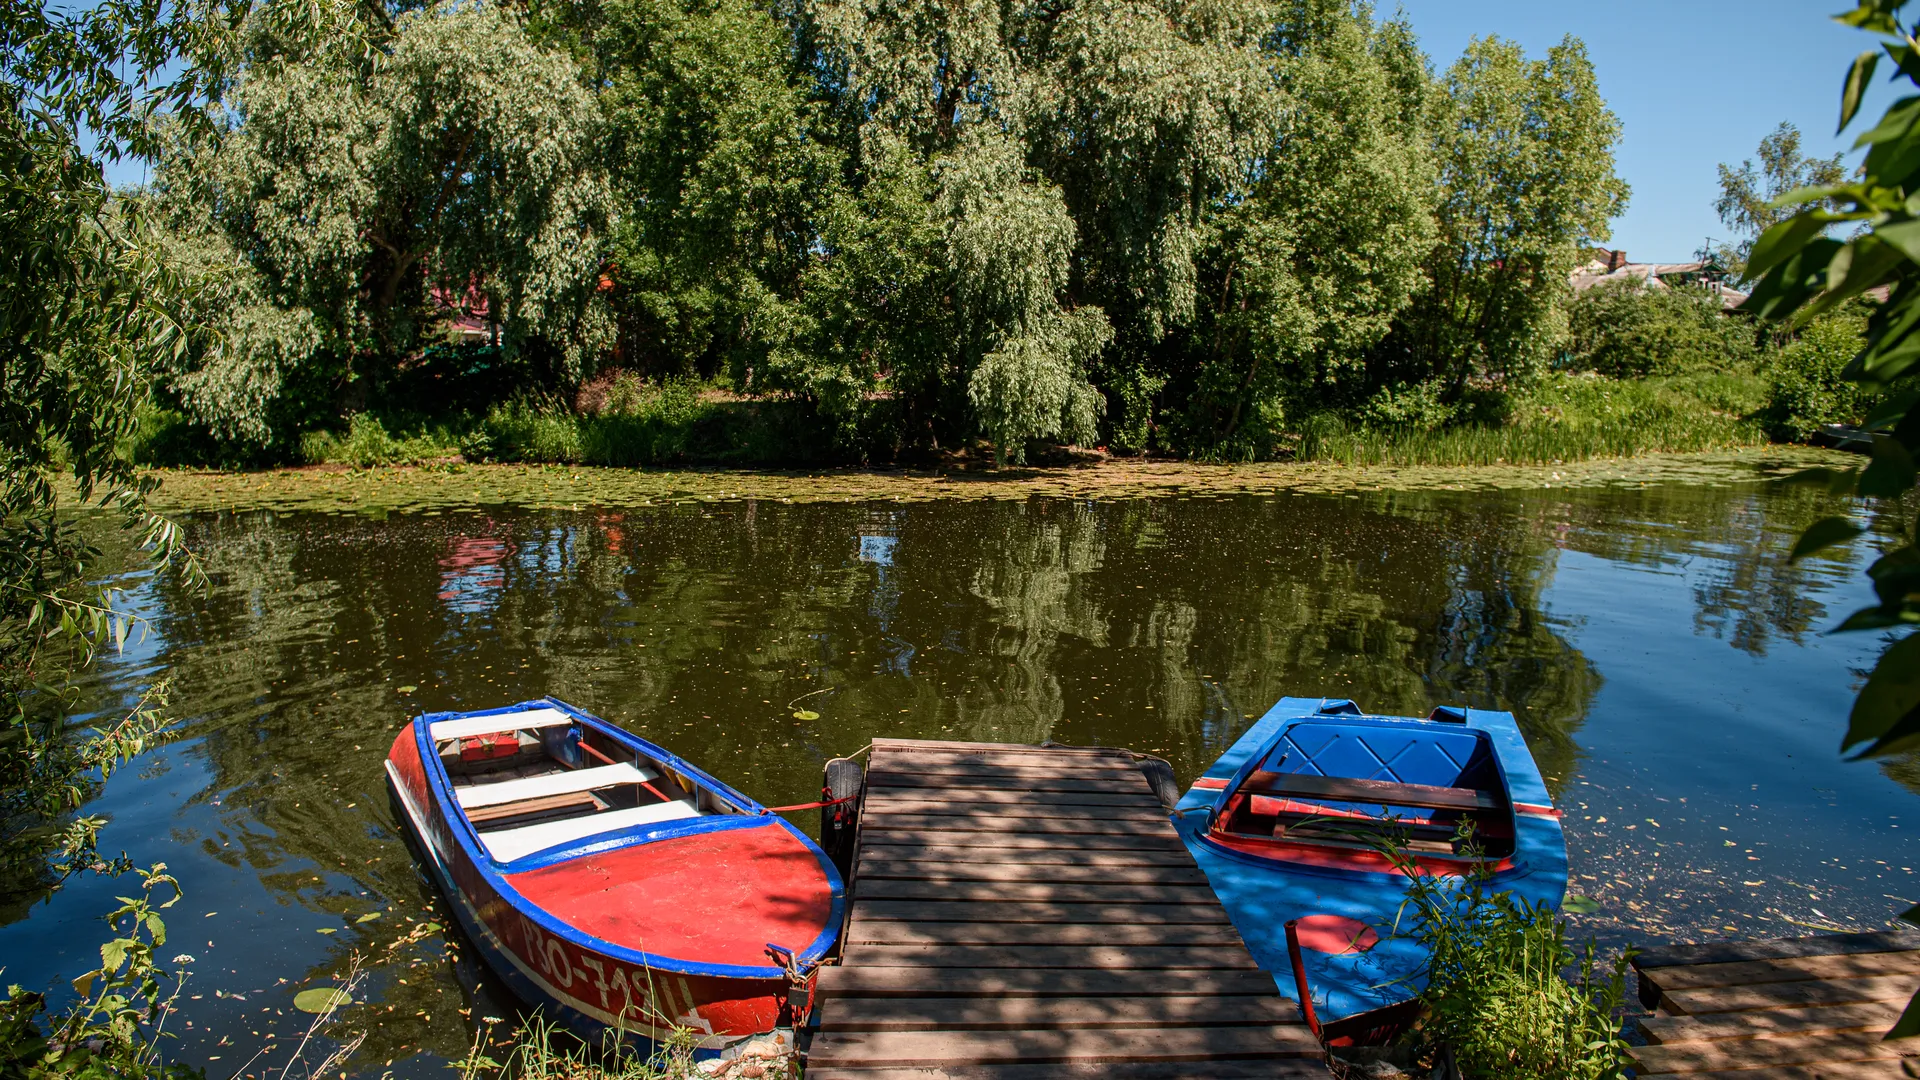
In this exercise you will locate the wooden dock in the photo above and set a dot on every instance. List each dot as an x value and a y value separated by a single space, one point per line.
1024 912
1798 1009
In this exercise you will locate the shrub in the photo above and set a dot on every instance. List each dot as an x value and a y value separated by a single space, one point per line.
1507 992
367 443
1627 330
1804 386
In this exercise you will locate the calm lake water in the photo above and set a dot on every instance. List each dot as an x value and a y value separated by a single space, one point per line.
1666 663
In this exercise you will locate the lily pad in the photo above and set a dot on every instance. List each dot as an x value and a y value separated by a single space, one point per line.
321 999
1579 904
805 714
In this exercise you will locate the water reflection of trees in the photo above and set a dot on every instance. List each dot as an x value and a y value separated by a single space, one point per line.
1163 625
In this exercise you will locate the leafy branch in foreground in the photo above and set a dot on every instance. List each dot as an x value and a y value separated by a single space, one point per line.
114 1029
1804 272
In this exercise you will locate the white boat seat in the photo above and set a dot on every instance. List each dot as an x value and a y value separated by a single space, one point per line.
507 845
474 796
529 720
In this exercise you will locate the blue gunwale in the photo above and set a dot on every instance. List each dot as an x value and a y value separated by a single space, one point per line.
495 872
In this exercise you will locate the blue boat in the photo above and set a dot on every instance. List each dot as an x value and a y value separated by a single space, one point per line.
1287 827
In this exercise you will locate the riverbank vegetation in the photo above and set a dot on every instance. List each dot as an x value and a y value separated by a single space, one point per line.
707 232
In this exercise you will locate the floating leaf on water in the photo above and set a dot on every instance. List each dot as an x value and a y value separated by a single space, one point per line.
805 714
407 689
1579 904
368 917
431 928
321 999
328 930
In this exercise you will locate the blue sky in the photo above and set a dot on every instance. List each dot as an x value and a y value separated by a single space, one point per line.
1694 82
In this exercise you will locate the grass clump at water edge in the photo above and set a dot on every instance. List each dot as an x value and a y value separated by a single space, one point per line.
1508 996
1564 418
540 1050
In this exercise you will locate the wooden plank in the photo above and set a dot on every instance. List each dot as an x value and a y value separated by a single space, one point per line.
1056 892
884 744
1027 780
507 811
966 763
1787 969
920 1049
1721 999
1770 1052
1094 957
1876 1017
1731 952
879 835
1829 1070
947 815
898 932
1384 793
1013 824
1029 911
1149 852
1017 1014
1139 809
870 981
984 797
1285 1069
874 867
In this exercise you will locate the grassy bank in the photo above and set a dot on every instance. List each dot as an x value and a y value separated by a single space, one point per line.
1567 418
1564 418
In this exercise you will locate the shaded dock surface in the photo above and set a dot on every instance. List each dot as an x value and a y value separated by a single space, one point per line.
1020 912
1796 1009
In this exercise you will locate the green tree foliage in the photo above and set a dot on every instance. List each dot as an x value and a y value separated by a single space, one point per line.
452 155
923 223
1749 197
1806 381
1526 168
87 318
1804 273
1310 265
1631 330
714 164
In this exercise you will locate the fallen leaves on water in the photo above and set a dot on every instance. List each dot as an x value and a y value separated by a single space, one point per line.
805 714
1580 904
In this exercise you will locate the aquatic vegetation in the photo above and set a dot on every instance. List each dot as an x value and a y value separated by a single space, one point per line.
447 488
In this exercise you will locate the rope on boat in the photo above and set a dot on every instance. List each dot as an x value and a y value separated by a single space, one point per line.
811 805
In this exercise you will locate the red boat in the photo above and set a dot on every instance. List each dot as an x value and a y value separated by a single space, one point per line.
612 885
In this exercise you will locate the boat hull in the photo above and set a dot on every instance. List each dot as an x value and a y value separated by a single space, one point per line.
1351 902
596 989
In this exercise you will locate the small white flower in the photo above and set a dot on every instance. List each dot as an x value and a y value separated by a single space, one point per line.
183 958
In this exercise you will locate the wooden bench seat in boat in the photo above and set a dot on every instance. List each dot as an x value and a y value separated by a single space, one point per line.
474 796
1381 792
541 807
529 720
509 844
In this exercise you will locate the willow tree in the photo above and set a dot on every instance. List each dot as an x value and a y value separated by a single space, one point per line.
454 155
717 174
1324 244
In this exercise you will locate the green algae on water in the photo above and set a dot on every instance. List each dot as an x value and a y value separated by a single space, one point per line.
465 488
